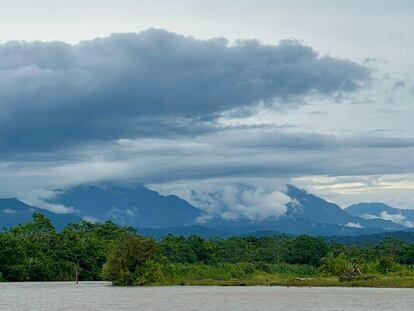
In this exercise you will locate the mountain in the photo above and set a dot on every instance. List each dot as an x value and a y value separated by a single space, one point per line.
382 211
158 215
308 206
307 214
14 212
135 206
288 225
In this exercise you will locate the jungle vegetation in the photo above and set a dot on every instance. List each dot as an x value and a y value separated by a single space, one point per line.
105 251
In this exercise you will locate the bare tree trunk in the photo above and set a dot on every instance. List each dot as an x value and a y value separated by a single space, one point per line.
76 274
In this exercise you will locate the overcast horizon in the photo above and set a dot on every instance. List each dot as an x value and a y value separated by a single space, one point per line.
204 96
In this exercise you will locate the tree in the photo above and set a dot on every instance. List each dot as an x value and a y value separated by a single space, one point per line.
39 227
37 238
131 262
12 259
407 255
385 264
186 250
390 247
307 250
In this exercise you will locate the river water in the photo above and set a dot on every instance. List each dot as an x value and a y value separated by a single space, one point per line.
90 296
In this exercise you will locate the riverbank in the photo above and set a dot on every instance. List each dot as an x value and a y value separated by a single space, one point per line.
277 274
388 281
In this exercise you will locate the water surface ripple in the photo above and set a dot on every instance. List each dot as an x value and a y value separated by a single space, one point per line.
100 296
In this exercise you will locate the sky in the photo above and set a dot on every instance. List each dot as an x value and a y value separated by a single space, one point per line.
211 100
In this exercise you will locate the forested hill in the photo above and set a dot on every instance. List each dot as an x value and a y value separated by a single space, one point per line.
403 236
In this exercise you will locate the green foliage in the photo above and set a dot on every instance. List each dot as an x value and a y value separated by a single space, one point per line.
335 265
191 250
12 258
131 262
352 271
306 250
183 273
40 227
36 252
292 269
349 269
345 268
386 264
150 272
406 254
222 271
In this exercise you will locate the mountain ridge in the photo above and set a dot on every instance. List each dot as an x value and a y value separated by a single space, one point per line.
149 211
135 205
378 210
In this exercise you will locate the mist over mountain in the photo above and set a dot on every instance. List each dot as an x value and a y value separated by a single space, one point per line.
158 215
306 214
312 207
381 211
14 212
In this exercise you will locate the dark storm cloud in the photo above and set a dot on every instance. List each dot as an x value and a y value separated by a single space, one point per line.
128 85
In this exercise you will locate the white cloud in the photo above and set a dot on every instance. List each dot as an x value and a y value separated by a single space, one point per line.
90 219
38 197
397 218
353 225
230 200
56 208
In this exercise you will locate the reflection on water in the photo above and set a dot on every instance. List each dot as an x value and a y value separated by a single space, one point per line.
101 296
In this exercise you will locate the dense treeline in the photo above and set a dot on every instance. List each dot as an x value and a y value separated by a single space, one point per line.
376 238
36 252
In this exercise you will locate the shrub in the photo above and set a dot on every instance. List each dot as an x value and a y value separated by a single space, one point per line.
130 262
351 272
386 264
347 269
334 265
150 272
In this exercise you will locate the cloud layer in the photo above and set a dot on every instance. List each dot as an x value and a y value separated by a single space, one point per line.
53 94
237 201
157 107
